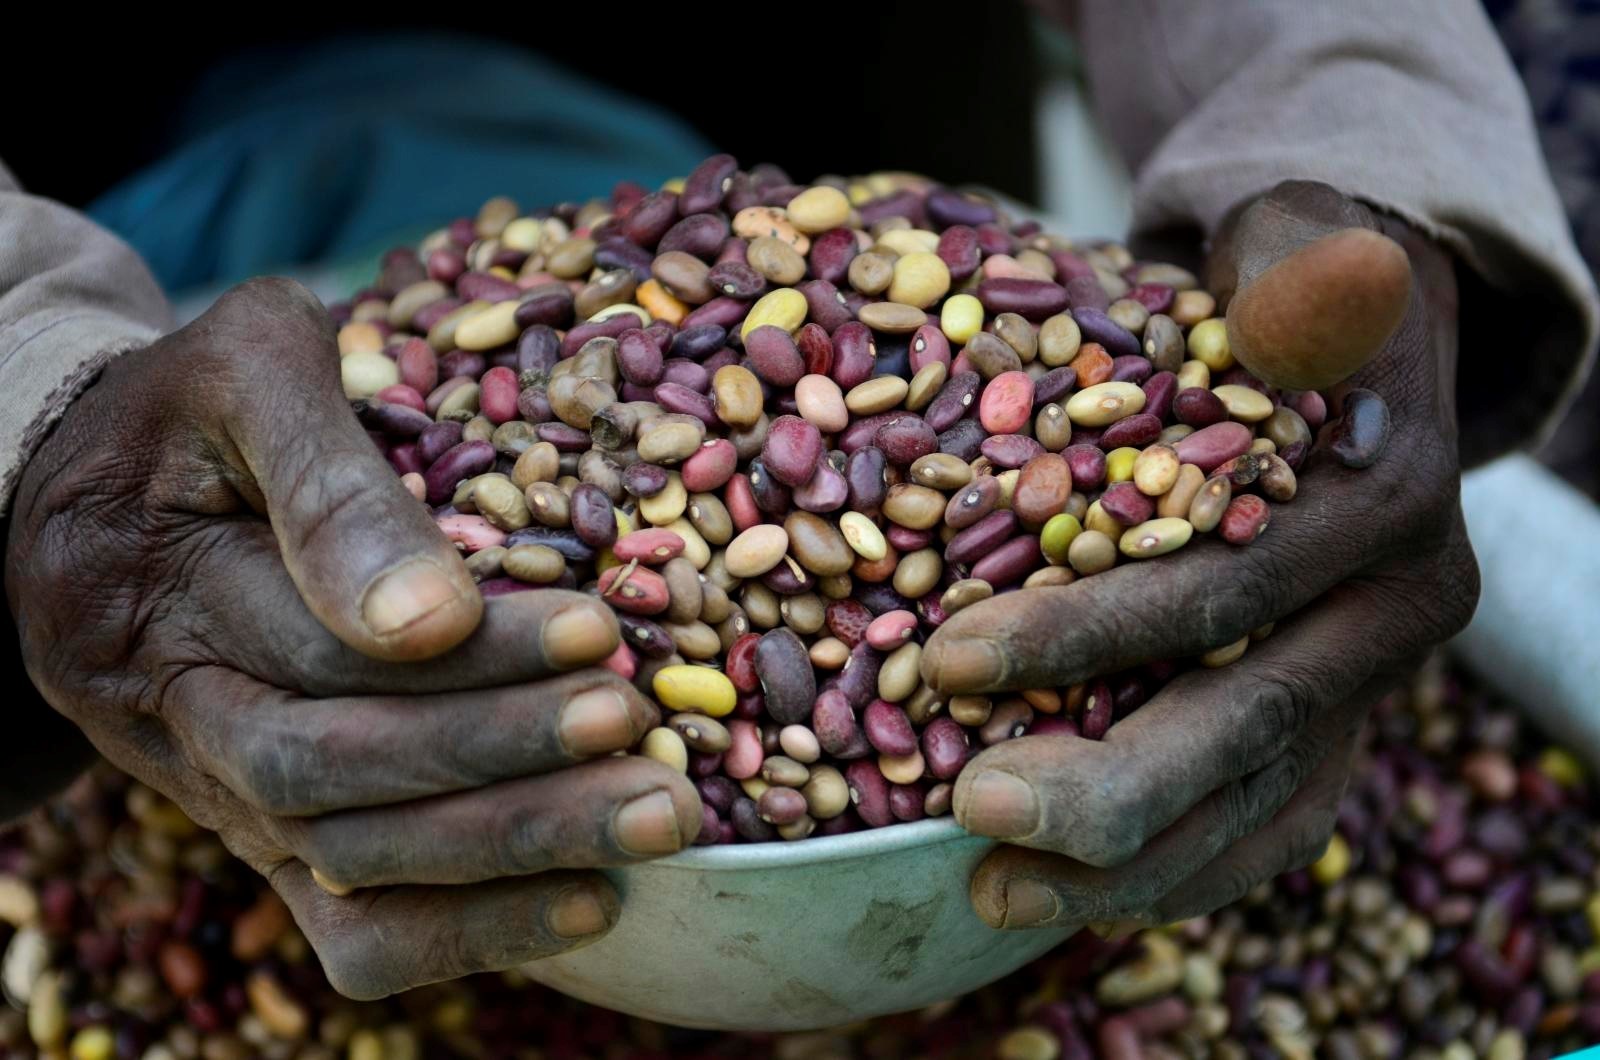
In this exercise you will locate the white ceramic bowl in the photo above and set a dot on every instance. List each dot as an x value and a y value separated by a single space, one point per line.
794 936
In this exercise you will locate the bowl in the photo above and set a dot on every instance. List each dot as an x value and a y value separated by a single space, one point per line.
797 936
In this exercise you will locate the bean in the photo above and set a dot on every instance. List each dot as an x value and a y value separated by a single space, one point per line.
982 536
869 793
1124 502
1008 720
1155 537
817 544
1032 299
992 357
1209 504
1092 552
1009 563
899 674
953 401
1359 435
972 504
1243 403
1244 520
787 681
1103 404
1210 447
913 506
1007 403
888 729
1277 479
1180 495
1010 451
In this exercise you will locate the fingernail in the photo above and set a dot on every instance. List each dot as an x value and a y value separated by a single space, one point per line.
648 826
576 637
1029 902
999 805
964 665
576 913
595 722
1117 930
328 885
403 596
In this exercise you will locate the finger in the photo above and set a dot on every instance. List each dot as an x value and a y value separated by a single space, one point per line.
290 756
1100 801
1020 888
523 636
376 943
364 555
1205 596
1318 291
610 812
1295 837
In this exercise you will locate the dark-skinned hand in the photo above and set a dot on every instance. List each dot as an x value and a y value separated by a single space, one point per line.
217 576
1228 776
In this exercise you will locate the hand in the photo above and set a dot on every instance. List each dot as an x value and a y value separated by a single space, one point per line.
324 686
1230 776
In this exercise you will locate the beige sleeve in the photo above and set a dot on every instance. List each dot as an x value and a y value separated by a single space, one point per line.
72 296
1412 107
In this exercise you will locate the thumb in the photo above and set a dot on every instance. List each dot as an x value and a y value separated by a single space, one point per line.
365 556
1318 290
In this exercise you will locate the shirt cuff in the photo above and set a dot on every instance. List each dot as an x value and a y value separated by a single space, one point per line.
54 358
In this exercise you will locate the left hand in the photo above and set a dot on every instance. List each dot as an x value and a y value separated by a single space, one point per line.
1227 777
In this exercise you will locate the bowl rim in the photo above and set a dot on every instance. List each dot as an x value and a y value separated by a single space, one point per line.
778 854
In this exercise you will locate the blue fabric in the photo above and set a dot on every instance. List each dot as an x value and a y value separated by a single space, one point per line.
331 151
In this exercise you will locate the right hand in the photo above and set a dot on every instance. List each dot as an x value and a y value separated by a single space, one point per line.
218 577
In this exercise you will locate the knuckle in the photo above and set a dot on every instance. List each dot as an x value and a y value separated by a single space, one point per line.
1282 704
278 773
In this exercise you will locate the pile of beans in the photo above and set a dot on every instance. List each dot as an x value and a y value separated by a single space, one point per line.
1457 915
786 432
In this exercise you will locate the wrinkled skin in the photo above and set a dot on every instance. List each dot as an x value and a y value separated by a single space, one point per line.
192 567
1230 776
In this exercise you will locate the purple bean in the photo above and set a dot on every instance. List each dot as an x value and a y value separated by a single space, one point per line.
565 438
904 203
706 184
562 540
972 504
888 729
903 439
648 220
593 518
1054 385
1159 391
774 357
825 305
1210 447
866 477
854 355
1198 407
675 397
833 720
905 802
1034 299
735 279
826 492
964 439
1138 430
549 305
861 432
611 327
746 818
685 373
700 234
723 312
1098 327
436 439
958 249
945 208
1131 368
1011 562
858 681
456 465
1085 292
1358 436
983 536
644 636
1009 450
955 399
639 358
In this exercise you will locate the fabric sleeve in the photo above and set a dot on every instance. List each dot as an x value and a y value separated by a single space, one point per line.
72 296
1413 108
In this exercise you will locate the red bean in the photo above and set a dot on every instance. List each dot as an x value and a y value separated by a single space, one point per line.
456 465
497 395
981 537
1212 446
1138 431
773 356
905 438
869 793
854 355
1124 503
825 305
1198 407
945 747
958 249
639 358
1244 520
